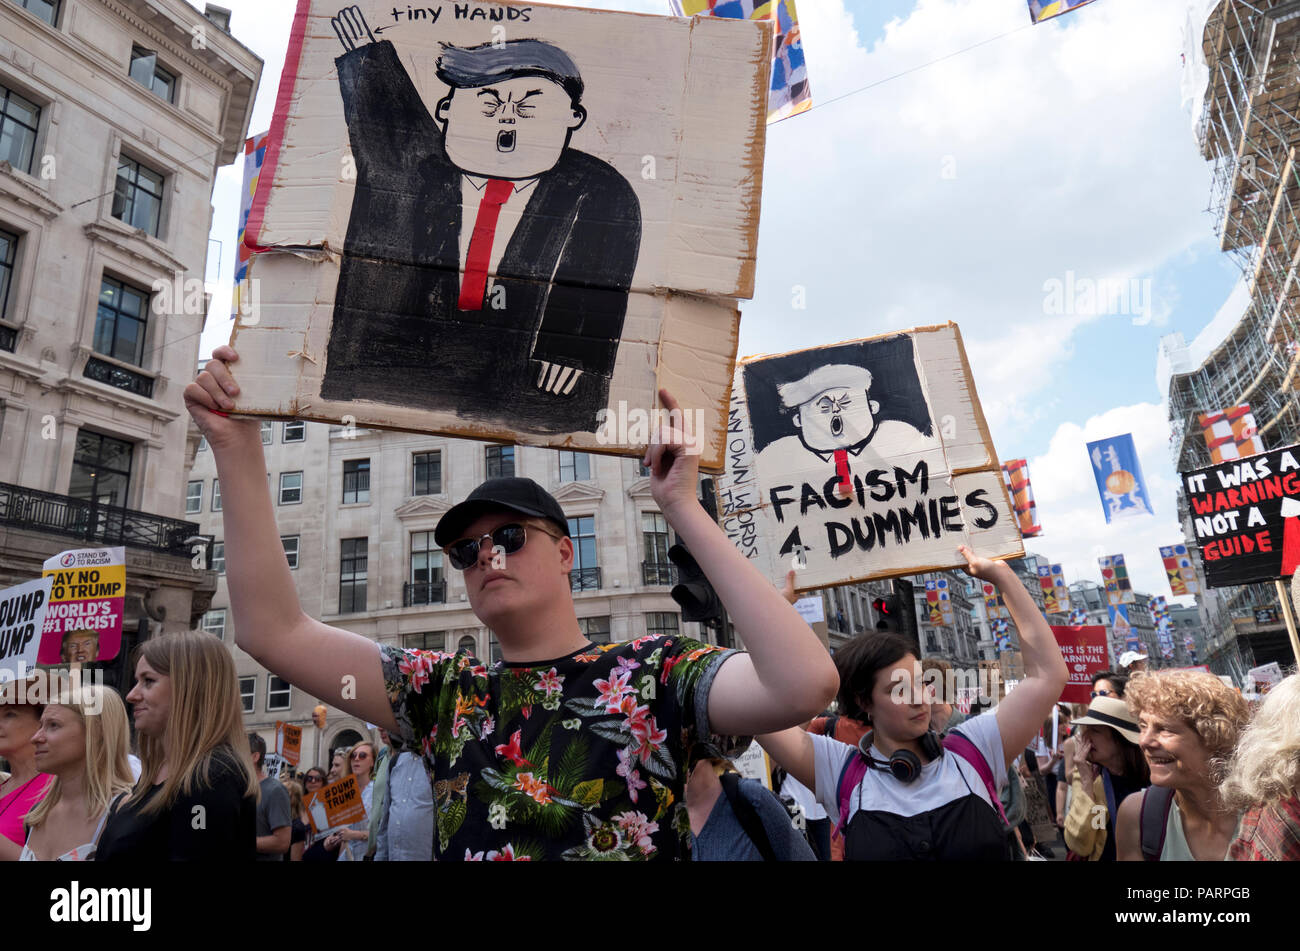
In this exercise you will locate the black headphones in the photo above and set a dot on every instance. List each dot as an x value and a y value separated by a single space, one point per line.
903 764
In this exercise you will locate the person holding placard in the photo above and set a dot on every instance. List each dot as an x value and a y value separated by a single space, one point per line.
196 799
352 840
565 749
82 744
909 795
1108 767
26 784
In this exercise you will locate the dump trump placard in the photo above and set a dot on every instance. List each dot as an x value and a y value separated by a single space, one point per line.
863 459
22 618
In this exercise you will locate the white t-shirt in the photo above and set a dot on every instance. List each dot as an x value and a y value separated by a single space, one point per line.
942 781
801 794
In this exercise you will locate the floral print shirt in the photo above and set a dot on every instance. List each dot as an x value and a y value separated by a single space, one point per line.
583 757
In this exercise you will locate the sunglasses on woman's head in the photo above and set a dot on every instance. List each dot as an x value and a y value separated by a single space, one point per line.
509 538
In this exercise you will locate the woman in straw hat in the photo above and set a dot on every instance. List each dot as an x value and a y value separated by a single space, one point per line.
1109 765
1189 723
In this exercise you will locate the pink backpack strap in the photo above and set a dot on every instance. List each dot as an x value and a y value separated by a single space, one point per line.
850 777
956 743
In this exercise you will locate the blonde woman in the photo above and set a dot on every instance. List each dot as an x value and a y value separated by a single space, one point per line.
298 831
1264 780
197 794
1188 724
83 744
361 761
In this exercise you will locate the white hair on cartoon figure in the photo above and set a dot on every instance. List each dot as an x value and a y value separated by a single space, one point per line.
831 376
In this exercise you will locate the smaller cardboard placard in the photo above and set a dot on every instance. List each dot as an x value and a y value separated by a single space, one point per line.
22 618
337 805
1085 653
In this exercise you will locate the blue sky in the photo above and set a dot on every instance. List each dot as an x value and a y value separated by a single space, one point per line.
959 192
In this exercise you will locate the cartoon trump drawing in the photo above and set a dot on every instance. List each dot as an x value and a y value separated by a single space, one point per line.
487 263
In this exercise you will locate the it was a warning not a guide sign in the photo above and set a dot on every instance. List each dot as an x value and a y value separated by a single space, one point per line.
1246 516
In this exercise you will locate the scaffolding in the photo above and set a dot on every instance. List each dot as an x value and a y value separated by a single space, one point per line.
1249 131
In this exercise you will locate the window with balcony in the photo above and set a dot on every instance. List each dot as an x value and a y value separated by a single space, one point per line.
290 545
121 321
219 557
426 473
294 431
655 568
427 584
214 623
427 641
194 497
216 495
661 622
574 466
8 251
500 462
247 693
352 575
47 10
356 481
279 693
138 196
101 469
19 120
595 628
146 71
585 575
290 488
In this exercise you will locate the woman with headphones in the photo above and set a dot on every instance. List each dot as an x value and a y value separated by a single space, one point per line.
909 795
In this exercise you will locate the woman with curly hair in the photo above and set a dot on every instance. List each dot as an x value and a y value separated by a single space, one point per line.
1264 780
1188 724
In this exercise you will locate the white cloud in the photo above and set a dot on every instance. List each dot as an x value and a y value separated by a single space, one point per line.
1075 532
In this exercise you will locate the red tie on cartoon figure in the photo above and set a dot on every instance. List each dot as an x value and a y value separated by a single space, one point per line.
1290 536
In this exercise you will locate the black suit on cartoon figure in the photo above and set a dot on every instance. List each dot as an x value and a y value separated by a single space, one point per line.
543 361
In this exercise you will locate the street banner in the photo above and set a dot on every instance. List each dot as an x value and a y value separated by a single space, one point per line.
22 618
938 602
788 94
1246 515
1042 10
994 604
288 742
337 805
1231 434
1078 616
1181 572
1016 475
861 460
1001 635
1056 594
1085 653
1123 630
1114 575
87 603
254 153
1118 474
512 222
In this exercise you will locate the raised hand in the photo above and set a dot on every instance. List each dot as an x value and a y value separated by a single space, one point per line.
674 472
210 397
557 379
982 568
351 28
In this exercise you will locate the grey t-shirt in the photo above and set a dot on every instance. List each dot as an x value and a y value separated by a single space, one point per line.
723 839
272 813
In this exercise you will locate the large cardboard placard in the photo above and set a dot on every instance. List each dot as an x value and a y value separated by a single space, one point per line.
492 210
865 459
1246 516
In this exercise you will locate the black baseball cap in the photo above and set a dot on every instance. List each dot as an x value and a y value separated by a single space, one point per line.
514 494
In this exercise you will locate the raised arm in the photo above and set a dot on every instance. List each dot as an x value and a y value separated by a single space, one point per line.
787 676
793 749
337 666
1021 714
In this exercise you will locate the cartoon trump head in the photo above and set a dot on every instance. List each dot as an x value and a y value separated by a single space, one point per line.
512 107
833 410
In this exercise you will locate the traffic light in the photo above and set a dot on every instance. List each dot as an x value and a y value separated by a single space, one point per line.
698 600
887 612
897 612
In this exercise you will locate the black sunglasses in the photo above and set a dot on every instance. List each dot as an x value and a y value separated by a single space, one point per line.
509 538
